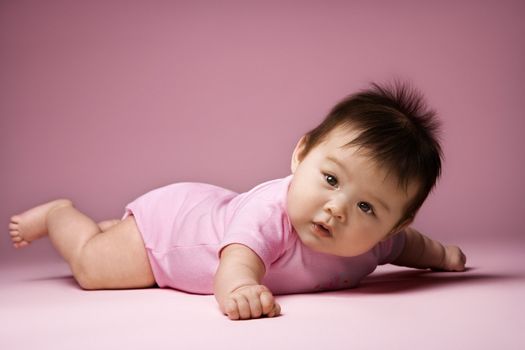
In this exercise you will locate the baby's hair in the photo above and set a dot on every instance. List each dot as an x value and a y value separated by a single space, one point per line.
396 129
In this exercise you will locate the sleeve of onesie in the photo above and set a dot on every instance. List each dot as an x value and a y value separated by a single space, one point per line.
388 250
258 223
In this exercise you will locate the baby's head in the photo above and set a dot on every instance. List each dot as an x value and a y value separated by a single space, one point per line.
385 141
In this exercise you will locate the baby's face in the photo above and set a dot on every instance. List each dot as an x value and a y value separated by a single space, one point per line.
343 190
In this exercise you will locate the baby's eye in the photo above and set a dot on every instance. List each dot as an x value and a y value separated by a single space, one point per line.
331 180
365 207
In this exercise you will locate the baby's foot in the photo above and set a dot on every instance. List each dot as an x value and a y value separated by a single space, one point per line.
31 225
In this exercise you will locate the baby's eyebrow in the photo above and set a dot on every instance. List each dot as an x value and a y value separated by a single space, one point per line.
374 198
338 163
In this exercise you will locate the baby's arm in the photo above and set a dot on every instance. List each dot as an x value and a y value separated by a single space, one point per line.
422 252
237 285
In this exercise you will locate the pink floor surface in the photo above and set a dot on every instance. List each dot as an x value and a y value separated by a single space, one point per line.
41 307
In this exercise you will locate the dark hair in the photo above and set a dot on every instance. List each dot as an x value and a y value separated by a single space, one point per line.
396 129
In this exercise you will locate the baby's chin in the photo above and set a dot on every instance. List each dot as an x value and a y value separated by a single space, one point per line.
331 248
324 245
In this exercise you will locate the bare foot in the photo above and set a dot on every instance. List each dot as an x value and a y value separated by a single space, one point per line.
31 225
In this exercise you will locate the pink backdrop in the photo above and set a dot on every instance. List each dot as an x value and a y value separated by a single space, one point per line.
101 101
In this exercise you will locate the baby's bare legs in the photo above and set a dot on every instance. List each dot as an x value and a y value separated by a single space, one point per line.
115 259
107 224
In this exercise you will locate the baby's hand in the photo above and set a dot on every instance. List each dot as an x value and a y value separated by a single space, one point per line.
454 259
251 301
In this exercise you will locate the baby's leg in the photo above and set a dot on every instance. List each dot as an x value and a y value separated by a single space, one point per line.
107 224
115 259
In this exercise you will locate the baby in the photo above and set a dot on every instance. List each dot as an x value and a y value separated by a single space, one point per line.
357 181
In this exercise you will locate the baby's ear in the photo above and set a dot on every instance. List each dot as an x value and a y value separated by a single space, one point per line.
297 155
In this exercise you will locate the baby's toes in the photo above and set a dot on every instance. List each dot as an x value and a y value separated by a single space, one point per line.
21 244
13 226
16 238
15 219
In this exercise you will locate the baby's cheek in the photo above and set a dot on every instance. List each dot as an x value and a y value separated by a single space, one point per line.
298 206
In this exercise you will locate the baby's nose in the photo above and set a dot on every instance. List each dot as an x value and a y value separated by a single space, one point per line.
336 211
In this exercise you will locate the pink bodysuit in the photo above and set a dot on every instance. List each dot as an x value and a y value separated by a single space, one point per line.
185 226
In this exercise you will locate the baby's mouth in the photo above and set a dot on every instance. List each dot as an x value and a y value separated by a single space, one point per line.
322 230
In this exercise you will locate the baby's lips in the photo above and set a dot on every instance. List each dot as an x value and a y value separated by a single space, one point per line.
322 227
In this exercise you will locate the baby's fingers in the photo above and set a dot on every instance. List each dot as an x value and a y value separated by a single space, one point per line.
237 308
231 310
276 311
455 259
251 301
270 308
243 307
461 261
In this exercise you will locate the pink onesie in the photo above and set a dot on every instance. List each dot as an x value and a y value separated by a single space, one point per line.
185 225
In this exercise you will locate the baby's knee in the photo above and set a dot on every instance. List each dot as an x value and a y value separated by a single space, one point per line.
84 271
86 282
85 278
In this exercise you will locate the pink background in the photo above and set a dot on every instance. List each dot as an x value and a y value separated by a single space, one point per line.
101 101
